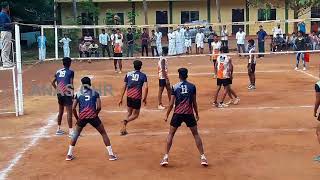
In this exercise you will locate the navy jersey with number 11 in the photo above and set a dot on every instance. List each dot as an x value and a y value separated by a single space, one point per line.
184 92
87 99
135 81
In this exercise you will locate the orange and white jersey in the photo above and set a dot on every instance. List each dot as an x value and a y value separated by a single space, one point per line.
162 75
223 67
216 46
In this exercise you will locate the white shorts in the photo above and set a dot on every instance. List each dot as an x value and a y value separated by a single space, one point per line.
188 43
200 45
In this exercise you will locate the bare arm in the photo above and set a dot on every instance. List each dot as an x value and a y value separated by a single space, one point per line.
98 106
146 89
74 109
195 106
316 104
163 66
53 83
123 90
173 99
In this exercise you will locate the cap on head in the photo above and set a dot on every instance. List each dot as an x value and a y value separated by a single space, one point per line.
86 81
183 73
66 62
137 64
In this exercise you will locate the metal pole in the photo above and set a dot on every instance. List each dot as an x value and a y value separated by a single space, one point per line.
15 91
56 42
19 69
219 13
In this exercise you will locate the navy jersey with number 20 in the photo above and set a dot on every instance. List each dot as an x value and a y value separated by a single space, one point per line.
135 81
184 92
87 100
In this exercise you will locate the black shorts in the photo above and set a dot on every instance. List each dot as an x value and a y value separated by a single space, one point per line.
162 83
117 55
253 68
178 119
224 82
95 122
133 103
65 100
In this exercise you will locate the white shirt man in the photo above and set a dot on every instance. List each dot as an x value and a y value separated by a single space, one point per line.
276 31
104 38
66 48
200 40
224 34
241 37
172 43
158 35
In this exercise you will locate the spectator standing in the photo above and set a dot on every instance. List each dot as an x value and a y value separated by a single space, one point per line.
144 42
224 36
104 40
200 41
188 41
314 40
211 34
66 45
277 30
301 45
6 35
261 40
179 41
172 42
158 34
302 27
42 42
118 45
130 43
241 37
153 44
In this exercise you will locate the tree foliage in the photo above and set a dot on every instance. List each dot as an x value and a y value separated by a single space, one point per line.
300 7
32 11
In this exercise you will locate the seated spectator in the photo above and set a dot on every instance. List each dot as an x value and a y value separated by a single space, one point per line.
278 43
83 50
292 41
314 41
93 49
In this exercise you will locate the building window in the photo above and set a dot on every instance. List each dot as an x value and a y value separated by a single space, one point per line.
109 18
267 14
189 16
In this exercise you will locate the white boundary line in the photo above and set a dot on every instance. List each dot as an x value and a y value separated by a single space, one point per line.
34 140
308 74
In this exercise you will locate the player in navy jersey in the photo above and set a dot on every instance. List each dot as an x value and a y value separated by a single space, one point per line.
185 99
89 108
63 83
134 82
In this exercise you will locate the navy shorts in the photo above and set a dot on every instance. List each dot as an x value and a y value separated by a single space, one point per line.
224 82
65 100
178 119
162 83
95 122
133 103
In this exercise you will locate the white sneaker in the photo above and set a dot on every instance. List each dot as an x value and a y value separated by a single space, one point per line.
236 101
160 107
120 72
164 162
112 158
59 132
230 102
70 157
304 69
250 87
296 68
204 161
222 105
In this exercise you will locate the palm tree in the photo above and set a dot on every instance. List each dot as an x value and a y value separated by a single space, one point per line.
145 11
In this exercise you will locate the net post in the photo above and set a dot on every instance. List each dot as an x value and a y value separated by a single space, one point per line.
56 42
19 69
15 92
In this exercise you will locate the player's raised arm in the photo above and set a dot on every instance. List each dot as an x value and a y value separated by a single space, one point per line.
74 108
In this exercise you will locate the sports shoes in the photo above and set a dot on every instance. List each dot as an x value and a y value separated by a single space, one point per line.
112 158
222 105
60 132
215 104
296 68
230 102
116 71
304 68
236 101
164 162
161 107
250 86
204 161
70 157
123 132
120 72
